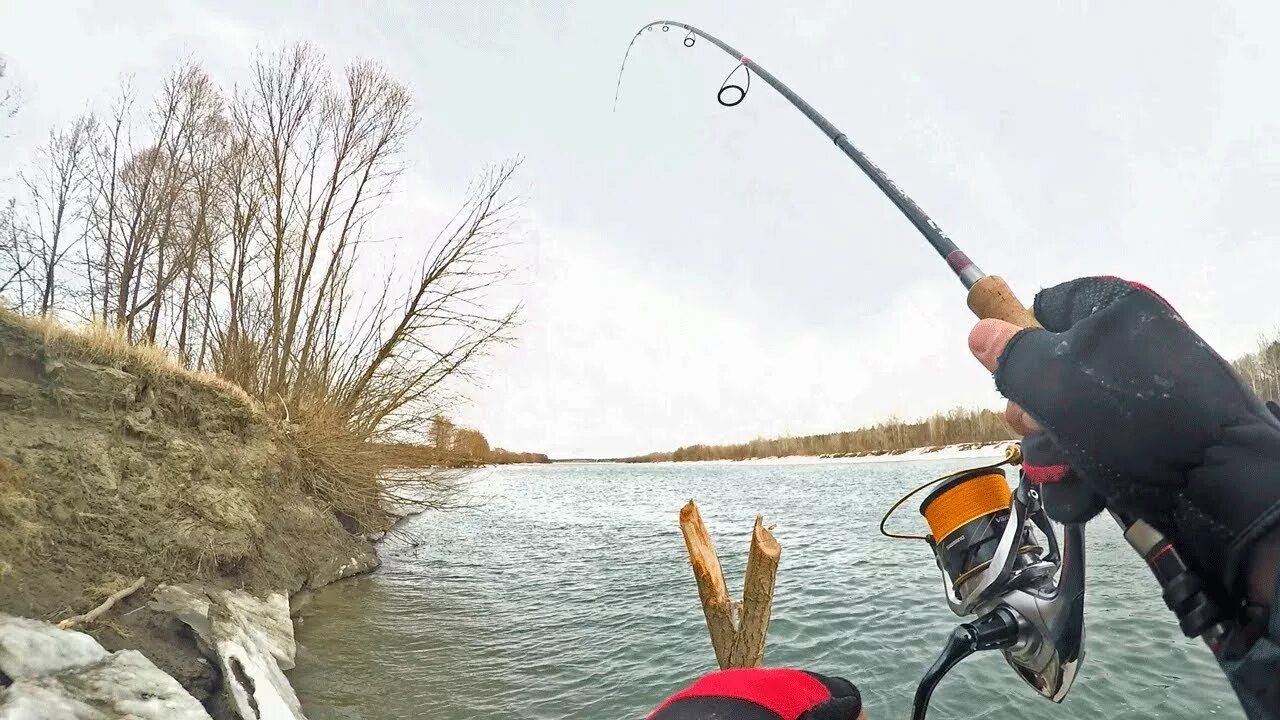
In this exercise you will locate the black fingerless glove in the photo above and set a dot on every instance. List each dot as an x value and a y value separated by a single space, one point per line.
1150 417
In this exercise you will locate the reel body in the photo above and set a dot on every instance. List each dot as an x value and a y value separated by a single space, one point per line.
1003 567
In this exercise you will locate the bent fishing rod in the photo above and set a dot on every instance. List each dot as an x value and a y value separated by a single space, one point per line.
1028 601
989 295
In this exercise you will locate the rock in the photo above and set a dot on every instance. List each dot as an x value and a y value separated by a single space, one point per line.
226 507
340 568
139 422
52 366
299 602
121 685
30 648
17 395
251 640
67 675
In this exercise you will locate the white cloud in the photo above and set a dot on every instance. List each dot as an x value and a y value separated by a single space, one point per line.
616 359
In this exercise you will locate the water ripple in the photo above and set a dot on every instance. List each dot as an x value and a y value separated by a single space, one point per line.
567 594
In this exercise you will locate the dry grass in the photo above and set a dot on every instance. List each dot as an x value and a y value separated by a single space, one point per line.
336 466
339 469
395 456
16 510
105 345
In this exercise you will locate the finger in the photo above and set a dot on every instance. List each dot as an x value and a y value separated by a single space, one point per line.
988 339
1061 306
1019 421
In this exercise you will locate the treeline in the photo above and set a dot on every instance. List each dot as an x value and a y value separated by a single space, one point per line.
237 228
956 426
1260 369
451 446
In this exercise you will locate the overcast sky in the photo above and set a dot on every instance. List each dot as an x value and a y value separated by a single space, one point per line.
696 273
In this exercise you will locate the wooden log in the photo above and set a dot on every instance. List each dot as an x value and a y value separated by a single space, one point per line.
105 606
716 606
738 631
757 598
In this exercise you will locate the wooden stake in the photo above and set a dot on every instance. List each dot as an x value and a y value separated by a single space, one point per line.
738 631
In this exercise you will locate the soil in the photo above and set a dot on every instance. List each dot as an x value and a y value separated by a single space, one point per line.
110 472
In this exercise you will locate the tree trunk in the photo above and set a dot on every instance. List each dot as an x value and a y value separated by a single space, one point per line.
738 632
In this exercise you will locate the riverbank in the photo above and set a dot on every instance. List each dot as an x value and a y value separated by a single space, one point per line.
117 464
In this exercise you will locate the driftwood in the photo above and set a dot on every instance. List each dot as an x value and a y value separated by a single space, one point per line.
738 630
105 606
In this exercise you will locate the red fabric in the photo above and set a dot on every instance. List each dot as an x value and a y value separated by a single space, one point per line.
788 693
1041 474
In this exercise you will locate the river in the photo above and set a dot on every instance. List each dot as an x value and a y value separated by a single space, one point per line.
565 593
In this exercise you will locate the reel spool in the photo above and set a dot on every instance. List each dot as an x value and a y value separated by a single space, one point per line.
967 514
1028 597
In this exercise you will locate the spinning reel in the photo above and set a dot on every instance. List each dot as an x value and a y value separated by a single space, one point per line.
1002 565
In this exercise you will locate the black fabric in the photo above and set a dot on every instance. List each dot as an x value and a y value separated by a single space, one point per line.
1069 499
1150 417
714 708
845 702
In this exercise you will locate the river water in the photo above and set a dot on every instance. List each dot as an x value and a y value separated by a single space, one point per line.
565 593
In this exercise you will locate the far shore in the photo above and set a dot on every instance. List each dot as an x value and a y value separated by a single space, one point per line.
959 451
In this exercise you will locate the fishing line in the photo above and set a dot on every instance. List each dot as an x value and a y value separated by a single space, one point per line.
726 86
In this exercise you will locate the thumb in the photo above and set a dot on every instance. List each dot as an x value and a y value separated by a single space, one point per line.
988 340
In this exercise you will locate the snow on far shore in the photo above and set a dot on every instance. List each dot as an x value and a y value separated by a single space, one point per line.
962 451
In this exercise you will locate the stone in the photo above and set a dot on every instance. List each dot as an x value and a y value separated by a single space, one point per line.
342 568
120 685
251 640
30 648
65 674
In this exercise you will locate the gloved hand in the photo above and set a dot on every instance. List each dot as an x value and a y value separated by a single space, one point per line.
764 694
1118 389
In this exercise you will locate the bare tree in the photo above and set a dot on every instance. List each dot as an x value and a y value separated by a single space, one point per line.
232 233
1261 369
10 98
104 227
15 260
55 196
443 322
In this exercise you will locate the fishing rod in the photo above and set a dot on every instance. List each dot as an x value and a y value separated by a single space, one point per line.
996 547
989 295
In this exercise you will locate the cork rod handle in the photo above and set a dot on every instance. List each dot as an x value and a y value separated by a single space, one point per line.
991 298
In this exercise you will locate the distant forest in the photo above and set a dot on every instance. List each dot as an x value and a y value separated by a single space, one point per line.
1260 369
957 426
451 446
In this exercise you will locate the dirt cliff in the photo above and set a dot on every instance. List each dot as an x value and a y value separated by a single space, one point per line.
115 463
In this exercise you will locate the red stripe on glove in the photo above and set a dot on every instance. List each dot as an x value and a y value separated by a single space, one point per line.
1041 474
788 693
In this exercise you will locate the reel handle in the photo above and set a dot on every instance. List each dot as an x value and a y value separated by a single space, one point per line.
991 298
